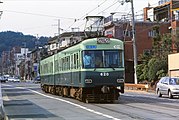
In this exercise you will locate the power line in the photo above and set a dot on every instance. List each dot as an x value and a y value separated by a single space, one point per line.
43 15
82 17
107 7
93 10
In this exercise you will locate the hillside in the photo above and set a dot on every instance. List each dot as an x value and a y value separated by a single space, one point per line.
11 39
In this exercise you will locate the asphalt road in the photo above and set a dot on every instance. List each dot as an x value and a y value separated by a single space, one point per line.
26 101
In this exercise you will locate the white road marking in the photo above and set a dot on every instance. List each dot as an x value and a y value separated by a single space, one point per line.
79 106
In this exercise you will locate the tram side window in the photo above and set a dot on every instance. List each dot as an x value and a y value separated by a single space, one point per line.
63 65
60 64
68 63
73 66
46 68
77 65
71 62
75 60
56 66
87 59
51 67
41 69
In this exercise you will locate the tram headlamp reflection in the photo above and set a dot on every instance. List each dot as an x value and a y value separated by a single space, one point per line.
88 80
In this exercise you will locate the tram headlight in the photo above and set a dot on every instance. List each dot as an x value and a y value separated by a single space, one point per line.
120 80
88 80
119 87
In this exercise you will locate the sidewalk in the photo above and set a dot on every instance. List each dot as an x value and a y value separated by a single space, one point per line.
140 91
2 114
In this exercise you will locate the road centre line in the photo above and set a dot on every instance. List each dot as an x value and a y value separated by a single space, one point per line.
74 104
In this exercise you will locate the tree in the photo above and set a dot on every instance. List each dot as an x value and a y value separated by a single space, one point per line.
142 69
155 65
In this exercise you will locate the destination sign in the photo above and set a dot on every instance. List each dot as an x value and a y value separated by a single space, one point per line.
91 46
103 40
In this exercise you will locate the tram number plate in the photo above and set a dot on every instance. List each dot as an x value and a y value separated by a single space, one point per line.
103 41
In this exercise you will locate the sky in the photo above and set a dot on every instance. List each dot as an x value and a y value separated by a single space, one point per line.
44 17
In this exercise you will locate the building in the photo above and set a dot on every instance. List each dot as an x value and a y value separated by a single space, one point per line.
64 40
122 29
167 11
173 65
14 62
5 62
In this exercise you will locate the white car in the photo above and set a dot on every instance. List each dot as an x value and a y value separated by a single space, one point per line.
13 79
3 79
168 86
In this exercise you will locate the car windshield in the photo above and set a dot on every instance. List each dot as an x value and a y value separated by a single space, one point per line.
103 59
174 81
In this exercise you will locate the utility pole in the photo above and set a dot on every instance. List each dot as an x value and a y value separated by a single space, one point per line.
25 53
133 41
1 54
59 27
38 55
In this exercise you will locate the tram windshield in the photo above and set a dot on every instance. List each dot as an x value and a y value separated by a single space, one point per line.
103 59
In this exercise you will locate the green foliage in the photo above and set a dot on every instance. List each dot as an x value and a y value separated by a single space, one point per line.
152 69
161 73
157 69
176 41
142 72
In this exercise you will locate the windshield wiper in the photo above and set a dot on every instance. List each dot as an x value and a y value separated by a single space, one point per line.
111 66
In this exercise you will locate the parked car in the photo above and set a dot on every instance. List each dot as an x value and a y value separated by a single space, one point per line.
168 86
3 79
13 79
37 79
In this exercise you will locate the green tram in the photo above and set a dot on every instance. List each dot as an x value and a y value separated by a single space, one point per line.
90 71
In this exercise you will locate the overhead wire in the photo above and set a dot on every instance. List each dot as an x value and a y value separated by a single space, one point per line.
107 7
82 17
90 12
148 27
44 15
75 19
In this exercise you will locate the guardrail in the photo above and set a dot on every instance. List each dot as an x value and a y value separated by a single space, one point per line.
137 86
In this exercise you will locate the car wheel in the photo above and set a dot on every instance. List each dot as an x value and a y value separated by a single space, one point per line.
159 93
170 94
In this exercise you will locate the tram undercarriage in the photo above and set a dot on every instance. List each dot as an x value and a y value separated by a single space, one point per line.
95 94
